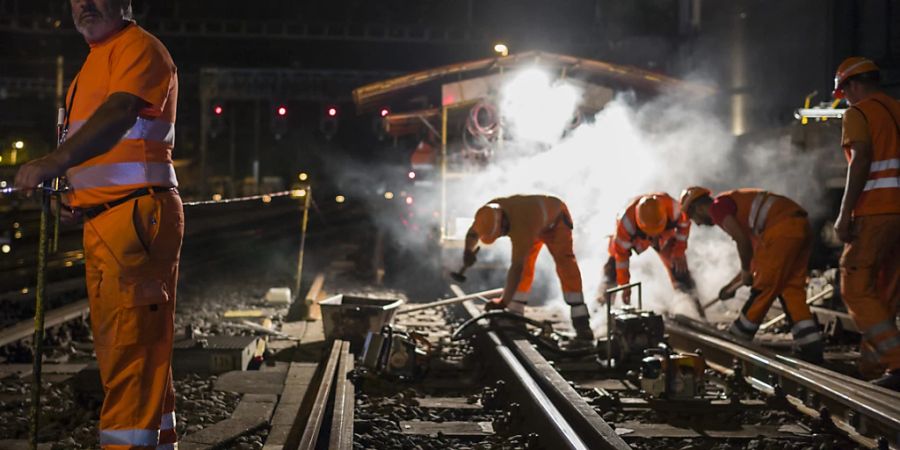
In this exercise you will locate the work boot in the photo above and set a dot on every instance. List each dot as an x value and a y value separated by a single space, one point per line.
812 352
890 380
738 331
583 330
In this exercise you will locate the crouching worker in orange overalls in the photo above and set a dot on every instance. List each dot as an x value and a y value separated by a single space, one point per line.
651 221
773 240
532 221
120 124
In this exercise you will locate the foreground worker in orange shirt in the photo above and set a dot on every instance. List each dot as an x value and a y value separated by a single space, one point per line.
774 241
652 220
118 160
532 221
869 220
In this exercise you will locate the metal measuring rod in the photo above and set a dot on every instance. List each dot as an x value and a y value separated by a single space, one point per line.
48 190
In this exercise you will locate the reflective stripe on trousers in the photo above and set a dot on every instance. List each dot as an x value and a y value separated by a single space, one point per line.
806 332
742 327
123 174
145 438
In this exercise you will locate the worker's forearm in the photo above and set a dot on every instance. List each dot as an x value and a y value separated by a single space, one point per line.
857 174
471 240
101 132
745 252
513 278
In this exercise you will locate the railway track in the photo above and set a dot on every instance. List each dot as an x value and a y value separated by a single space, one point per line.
868 414
535 398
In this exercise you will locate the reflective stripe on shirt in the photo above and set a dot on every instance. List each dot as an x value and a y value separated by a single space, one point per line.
882 183
156 130
122 174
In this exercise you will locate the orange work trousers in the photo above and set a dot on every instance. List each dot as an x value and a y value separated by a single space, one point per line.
870 284
558 240
780 264
131 259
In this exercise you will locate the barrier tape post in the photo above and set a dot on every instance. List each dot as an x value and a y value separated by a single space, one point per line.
306 201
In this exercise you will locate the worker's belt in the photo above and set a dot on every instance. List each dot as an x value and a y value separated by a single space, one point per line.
95 211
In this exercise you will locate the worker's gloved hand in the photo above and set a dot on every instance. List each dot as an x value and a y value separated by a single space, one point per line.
679 265
495 304
469 257
727 292
626 296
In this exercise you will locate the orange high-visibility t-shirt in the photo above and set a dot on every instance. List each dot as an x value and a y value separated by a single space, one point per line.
134 62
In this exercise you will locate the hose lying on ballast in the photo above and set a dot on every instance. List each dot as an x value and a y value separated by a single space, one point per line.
551 347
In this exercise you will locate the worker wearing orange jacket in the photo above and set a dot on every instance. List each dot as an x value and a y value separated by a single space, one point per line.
118 161
869 219
774 241
532 221
651 221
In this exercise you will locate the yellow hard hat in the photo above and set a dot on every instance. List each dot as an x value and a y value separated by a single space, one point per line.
651 215
851 66
488 219
689 195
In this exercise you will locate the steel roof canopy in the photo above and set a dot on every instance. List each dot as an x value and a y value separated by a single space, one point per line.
376 94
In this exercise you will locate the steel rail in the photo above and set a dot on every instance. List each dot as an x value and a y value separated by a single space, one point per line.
341 437
865 413
568 420
313 427
555 431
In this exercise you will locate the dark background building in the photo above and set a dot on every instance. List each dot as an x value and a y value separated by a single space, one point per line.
764 55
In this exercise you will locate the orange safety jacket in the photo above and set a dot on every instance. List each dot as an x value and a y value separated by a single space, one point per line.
881 194
629 237
758 210
529 216
134 62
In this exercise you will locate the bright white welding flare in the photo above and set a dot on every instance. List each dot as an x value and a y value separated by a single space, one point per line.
536 108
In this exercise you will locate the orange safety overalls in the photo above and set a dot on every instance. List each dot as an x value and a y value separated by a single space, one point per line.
535 221
131 246
870 263
671 243
782 242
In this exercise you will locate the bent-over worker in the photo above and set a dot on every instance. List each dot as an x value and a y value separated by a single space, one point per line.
532 221
774 241
651 221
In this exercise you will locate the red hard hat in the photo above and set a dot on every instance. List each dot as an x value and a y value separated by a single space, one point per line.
691 194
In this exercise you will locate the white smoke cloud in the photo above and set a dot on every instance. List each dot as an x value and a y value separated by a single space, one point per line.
628 149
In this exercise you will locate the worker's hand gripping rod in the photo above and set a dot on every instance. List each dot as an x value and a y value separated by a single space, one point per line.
48 190
611 297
